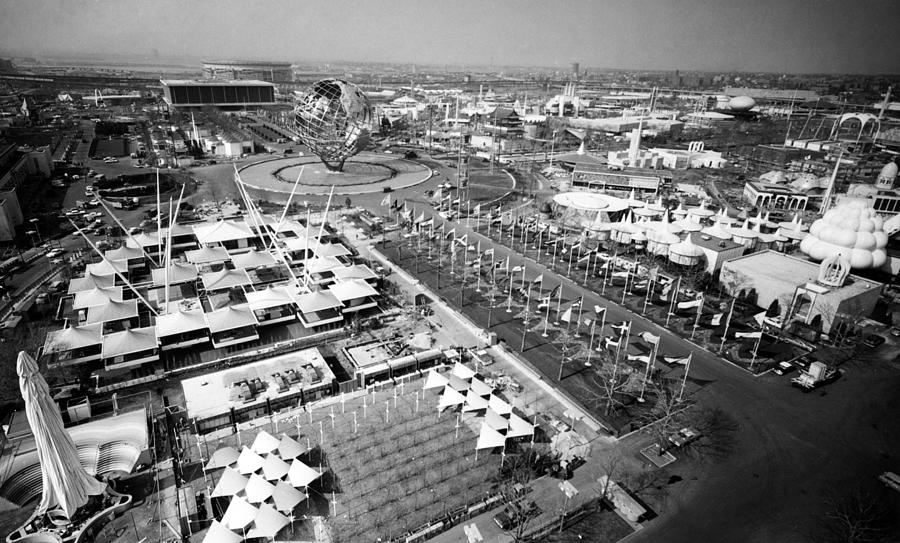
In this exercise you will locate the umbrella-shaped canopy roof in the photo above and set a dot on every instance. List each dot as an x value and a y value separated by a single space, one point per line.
73 337
124 253
221 231
132 340
230 318
207 255
701 211
495 420
268 523
353 289
664 225
744 232
272 296
66 485
790 233
249 461
451 397
225 456
301 475
357 271
647 212
657 205
489 438
143 240
179 272
258 489
179 322
519 427
275 468
318 301
662 237
106 267
218 533
332 249
226 278
457 384
680 212
230 483
435 380
96 296
474 402
286 497
253 259
634 202
461 371
323 264
264 443
112 311
239 514
288 448
480 387
499 406
90 281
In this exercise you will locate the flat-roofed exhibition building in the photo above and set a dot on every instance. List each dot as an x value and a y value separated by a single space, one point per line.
275 72
217 93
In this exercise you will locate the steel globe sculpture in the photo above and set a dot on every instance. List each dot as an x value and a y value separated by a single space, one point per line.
334 120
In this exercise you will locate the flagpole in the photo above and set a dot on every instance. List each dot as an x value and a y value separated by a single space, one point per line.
625 290
509 298
547 318
593 329
569 269
606 266
478 272
587 269
697 318
491 291
687 368
647 298
727 323
558 304
602 325
647 371
596 260
756 350
525 319
578 324
674 300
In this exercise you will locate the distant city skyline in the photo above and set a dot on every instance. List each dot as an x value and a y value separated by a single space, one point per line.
797 36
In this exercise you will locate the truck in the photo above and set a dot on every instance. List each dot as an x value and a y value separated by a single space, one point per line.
124 203
816 375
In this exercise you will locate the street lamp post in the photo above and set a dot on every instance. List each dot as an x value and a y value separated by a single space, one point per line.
34 221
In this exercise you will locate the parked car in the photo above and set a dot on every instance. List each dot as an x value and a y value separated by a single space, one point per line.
42 298
873 340
895 331
784 368
684 436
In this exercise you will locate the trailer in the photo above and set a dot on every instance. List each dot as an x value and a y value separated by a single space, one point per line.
817 375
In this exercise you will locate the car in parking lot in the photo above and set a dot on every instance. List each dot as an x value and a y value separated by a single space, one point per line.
55 253
784 368
684 436
873 340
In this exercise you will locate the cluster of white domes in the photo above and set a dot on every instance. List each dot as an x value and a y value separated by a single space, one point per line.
853 230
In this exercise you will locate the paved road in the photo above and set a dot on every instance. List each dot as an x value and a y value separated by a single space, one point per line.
771 476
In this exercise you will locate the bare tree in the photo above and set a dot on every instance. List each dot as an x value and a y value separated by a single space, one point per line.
668 412
610 384
855 518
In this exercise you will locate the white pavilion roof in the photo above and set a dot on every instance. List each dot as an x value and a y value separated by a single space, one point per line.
221 231
266 298
112 311
73 337
90 281
179 322
226 278
96 296
231 317
179 272
318 301
352 290
253 259
207 255
129 341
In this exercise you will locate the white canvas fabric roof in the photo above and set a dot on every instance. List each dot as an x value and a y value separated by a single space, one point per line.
489 438
462 371
474 402
239 514
286 497
435 380
332 249
249 461
73 337
499 406
177 230
129 341
318 301
179 272
226 278
324 264
480 387
264 443
266 298
221 231
218 533
352 290
230 483
275 468
179 322
142 240
519 427
299 243
288 448
229 318
96 296
268 523
123 253
253 259
258 489
106 267
495 421
457 384
450 398
301 475
90 281
357 271
112 311
222 457
207 255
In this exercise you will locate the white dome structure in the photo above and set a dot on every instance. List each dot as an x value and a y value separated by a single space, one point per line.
718 230
744 235
775 177
741 103
659 241
805 182
685 253
851 229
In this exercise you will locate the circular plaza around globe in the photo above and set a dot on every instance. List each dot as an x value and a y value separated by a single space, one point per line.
591 201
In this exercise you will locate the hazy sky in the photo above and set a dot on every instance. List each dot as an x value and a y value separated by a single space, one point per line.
740 35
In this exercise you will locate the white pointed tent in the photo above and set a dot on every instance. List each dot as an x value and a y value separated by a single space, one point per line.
66 484
258 489
301 475
239 514
249 461
519 427
435 380
268 523
495 421
288 448
489 438
275 468
499 406
230 484
474 402
264 443
480 388
286 497
218 533
462 371
451 397
225 456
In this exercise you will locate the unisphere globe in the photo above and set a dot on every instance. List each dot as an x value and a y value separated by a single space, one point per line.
334 120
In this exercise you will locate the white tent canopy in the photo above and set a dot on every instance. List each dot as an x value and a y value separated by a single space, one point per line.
301 475
73 337
230 483
474 402
264 443
249 461
275 468
96 296
495 421
218 533
268 523
499 406
489 438
239 514
457 384
288 448
519 427
450 398
462 371
480 387
222 457
435 380
180 322
258 489
286 497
